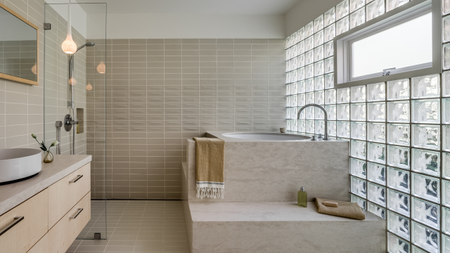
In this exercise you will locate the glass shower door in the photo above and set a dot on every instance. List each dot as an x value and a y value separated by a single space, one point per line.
75 88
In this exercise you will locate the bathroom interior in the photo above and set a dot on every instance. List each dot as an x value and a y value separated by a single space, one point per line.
104 106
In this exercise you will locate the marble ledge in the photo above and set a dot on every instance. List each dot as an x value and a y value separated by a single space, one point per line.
13 194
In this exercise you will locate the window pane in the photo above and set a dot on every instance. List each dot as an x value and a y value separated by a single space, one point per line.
405 45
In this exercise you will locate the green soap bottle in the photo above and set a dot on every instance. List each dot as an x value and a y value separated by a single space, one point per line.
302 197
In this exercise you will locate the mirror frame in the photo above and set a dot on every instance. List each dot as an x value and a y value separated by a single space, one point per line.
15 78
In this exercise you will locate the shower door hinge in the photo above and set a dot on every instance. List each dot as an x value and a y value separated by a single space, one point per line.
47 26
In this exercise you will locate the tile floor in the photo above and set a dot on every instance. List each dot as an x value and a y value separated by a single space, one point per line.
135 227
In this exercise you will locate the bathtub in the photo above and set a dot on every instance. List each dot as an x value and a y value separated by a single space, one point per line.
265 136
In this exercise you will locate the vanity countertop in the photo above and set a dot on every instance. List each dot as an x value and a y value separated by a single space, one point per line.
13 194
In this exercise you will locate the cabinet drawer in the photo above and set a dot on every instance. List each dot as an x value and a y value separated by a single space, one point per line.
41 246
62 235
24 233
65 193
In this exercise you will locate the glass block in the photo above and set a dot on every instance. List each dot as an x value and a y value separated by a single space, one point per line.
377 210
301 47
331 112
319 97
318 114
377 194
309 57
318 53
342 9
426 111
319 68
358 167
446 221
301 74
343 95
358 111
358 93
309 85
376 132
425 212
329 65
398 111
425 187
376 173
358 130
329 49
357 18
329 17
343 112
329 33
425 237
445 241
301 86
329 81
446 56
358 148
376 152
318 38
318 23
361 202
309 29
399 202
426 136
416 249
309 43
376 92
446 111
446 137
309 97
376 112
358 187
398 224
331 128
301 126
445 6
392 4
309 113
309 126
342 26
309 71
398 156
446 83
301 60
356 4
426 86
398 134
301 99
319 127
397 245
398 179
330 96
446 165
446 192
343 129
397 90
374 9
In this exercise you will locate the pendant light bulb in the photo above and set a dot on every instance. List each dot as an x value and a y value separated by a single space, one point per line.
69 46
72 81
34 69
89 87
101 68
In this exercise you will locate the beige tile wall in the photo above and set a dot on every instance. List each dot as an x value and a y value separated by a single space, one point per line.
21 110
161 91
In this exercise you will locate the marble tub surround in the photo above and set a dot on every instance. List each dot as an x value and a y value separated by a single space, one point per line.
273 171
13 194
279 227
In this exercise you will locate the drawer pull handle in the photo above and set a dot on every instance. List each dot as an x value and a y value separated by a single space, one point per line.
76 214
76 179
15 222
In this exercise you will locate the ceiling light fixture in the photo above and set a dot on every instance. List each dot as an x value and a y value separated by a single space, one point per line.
69 46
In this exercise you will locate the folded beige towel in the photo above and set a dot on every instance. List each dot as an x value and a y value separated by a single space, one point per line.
209 161
344 209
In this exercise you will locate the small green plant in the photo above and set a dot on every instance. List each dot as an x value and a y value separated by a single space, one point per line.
42 144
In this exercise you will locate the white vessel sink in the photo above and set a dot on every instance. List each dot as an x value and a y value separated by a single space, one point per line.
19 163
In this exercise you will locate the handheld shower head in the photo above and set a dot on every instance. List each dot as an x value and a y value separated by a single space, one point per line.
88 44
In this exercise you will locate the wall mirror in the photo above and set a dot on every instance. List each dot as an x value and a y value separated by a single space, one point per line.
18 48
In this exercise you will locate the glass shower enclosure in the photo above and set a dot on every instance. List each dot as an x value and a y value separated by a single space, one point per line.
75 96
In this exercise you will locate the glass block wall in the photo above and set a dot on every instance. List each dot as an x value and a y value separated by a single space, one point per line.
399 131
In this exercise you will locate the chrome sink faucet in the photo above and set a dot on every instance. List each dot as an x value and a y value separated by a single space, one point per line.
325 135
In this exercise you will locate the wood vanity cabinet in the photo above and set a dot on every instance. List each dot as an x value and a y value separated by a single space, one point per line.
51 220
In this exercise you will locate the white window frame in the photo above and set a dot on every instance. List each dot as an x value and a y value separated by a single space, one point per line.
343 44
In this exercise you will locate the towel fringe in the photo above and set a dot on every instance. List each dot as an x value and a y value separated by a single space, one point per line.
210 192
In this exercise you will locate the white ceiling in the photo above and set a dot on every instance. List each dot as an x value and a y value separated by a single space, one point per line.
224 7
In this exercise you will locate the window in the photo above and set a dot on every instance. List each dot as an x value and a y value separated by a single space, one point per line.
390 47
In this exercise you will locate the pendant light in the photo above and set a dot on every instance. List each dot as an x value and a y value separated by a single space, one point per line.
89 87
69 46
101 68
34 69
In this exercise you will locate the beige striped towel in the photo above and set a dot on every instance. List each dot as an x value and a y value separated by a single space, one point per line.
209 163
344 209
